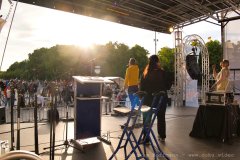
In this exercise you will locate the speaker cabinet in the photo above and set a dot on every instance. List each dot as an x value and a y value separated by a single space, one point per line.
193 67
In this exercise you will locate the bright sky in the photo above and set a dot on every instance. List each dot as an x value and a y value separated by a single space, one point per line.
35 27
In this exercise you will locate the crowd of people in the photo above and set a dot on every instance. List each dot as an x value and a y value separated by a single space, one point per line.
23 92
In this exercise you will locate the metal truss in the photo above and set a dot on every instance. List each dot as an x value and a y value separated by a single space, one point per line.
181 46
178 85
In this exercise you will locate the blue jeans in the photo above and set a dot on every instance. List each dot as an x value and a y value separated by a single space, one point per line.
133 99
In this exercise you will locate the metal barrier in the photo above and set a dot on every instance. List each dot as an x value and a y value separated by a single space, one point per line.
27 113
235 75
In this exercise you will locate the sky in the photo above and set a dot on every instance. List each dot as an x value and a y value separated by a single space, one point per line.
35 27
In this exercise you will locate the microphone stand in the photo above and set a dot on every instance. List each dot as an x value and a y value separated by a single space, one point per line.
18 120
66 143
52 130
12 123
53 123
36 127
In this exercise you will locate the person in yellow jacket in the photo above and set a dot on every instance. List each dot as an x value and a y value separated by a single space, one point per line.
131 80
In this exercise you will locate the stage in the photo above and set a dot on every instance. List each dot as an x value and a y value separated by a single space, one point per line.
178 145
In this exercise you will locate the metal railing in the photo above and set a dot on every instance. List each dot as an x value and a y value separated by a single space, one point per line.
235 75
27 113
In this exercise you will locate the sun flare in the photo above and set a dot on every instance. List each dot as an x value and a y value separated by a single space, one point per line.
74 30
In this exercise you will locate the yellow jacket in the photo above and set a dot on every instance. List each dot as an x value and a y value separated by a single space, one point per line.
131 76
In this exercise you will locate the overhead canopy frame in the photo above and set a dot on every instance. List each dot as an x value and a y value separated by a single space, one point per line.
154 15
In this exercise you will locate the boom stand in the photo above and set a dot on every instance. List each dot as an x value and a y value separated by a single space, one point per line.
18 121
66 143
52 120
36 127
12 123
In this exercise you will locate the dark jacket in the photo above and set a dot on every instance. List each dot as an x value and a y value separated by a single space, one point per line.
153 82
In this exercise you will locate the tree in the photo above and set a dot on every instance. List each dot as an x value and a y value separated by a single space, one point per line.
215 53
62 61
141 56
166 57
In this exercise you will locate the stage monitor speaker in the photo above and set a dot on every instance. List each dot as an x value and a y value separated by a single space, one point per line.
2 115
192 67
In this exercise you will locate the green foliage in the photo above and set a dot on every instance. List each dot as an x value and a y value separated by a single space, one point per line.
166 57
215 53
141 56
64 61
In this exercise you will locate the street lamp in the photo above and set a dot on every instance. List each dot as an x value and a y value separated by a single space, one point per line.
97 69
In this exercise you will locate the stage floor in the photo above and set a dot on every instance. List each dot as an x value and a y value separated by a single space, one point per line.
178 145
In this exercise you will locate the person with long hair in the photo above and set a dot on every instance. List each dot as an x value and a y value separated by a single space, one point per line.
222 78
152 81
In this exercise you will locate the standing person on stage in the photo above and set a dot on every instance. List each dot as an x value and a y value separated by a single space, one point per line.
131 80
221 77
154 81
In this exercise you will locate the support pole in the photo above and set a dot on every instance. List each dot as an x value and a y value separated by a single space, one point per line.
178 89
223 38
12 123
18 121
36 127
155 41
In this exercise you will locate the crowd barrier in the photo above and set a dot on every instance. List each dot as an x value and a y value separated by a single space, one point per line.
27 113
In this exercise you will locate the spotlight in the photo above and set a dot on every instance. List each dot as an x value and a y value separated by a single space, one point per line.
171 29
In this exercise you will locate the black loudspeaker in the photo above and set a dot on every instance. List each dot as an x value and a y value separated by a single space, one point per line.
193 67
2 115
50 113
